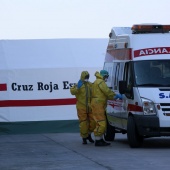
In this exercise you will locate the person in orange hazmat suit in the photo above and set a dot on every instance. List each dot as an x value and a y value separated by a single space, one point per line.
82 91
100 94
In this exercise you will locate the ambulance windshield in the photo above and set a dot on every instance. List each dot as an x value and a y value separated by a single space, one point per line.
152 73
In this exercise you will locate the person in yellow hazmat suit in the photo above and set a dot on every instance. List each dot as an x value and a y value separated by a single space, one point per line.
100 94
82 91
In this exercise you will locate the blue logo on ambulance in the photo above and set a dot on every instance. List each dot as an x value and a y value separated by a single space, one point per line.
163 95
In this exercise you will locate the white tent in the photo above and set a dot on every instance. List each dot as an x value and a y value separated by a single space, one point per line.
35 76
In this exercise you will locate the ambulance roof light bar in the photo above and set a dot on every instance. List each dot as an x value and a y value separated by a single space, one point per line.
154 28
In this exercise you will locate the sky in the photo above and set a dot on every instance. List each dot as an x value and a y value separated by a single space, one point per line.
39 19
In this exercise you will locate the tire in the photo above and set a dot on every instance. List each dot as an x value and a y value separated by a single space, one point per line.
110 132
134 139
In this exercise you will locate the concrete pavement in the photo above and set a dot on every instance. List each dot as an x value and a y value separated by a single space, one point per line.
64 151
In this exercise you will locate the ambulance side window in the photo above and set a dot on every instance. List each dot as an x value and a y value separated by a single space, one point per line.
117 76
117 66
128 77
109 67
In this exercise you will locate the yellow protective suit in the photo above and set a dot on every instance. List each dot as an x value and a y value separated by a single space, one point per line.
83 96
100 94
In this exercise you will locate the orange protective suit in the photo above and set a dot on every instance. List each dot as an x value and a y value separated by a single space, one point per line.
100 94
83 96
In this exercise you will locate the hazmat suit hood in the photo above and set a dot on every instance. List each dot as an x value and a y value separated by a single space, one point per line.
98 75
83 75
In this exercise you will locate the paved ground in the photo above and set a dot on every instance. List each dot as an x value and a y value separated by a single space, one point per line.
62 151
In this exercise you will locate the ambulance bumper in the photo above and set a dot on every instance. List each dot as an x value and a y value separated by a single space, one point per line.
149 126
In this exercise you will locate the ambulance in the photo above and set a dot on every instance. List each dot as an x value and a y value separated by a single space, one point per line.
138 62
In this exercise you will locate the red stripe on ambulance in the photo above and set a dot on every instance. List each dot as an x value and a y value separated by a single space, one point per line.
118 54
134 108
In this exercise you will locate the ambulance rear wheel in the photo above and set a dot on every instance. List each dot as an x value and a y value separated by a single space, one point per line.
134 139
110 132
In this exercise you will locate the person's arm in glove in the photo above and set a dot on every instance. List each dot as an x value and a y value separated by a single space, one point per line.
79 84
118 96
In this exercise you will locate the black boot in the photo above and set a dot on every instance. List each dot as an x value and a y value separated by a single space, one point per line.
84 141
101 142
90 138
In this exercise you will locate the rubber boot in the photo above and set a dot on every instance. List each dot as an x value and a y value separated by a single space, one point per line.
90 138
84 141
101 142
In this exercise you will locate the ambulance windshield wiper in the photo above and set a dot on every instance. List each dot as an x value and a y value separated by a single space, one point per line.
151 85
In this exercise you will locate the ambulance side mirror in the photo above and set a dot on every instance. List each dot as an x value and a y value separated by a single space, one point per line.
122 87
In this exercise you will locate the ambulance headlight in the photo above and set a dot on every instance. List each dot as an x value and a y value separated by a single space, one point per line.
148 107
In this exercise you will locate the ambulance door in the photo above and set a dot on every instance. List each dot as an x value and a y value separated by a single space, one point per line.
128 96
117 104
116 108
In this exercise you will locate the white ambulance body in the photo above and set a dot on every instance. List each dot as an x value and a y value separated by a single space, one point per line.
138 62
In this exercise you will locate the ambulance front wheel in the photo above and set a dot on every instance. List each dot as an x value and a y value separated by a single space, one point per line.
134 139
110 132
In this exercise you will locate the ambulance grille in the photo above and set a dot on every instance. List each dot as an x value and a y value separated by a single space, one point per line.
164 89
165 108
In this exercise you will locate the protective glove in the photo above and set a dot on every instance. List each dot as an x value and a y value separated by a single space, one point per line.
79 84
118 96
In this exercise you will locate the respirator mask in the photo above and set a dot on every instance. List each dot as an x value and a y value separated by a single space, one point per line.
86 78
